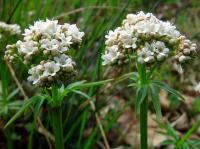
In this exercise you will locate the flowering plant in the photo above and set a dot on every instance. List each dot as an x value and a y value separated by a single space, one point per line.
45 50
148 41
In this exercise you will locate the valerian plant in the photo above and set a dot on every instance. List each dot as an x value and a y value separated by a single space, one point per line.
46 52
147 41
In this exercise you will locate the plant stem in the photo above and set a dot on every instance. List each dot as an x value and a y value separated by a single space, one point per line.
56 114
143 107
189 133
143 124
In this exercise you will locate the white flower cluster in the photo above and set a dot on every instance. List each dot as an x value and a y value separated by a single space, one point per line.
45 47
12 29
150 52
149 37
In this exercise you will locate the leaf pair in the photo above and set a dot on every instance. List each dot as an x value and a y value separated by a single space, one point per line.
152 89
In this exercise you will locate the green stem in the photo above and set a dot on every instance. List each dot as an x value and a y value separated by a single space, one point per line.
56 114
188 134
143 107
143 124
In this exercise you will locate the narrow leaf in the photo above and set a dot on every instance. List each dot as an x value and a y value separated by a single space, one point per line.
26 105
156 101
132 76
37 107
167 88
85 85
12 94
141 94
72 85
81 93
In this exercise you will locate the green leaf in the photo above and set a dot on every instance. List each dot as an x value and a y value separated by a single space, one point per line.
37 107
91 138
133 85
156 101
169 131
168 142
12 94
150 73
193 129
167 88
140 96
73 128
75 84
83 125
132 76
81 93
85 85
27 104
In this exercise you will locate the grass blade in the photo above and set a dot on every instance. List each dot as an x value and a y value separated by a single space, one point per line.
27 104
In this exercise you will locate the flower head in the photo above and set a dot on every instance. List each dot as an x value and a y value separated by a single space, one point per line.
44 48
150 38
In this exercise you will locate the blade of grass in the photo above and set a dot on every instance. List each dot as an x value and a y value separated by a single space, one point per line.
27 104
83 123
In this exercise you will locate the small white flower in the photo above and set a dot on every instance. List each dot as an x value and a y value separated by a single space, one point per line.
35 74
159 47
110 55
166 28
65 42
127 39
131 19
50 69
28 34
112 37
141 27
64 61
146 54
48 27
50 44
75 33
27 47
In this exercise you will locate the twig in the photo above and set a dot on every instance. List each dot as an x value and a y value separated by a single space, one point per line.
62 15
100 125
